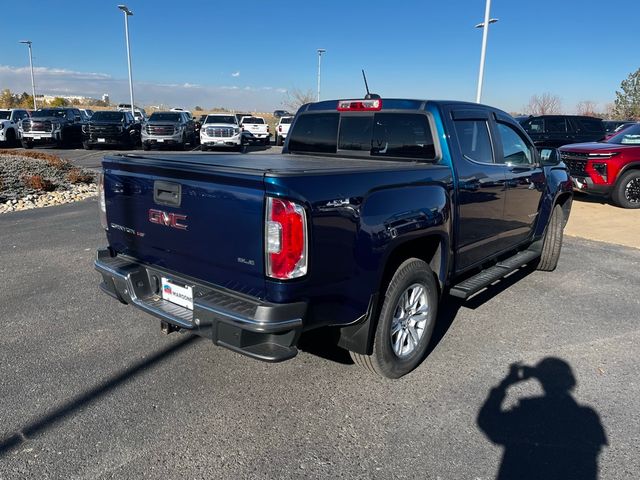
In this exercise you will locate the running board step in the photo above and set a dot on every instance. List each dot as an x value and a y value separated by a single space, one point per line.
486 277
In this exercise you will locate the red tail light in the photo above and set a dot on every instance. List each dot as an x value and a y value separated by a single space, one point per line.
285 239
267 128
280 128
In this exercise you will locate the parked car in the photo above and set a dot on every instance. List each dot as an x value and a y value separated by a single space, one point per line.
553 131
283 129
138 113
281 113
220 130
620 126
610 126
10 125
255 129
375 209
111 128
59 126
610 168
168 129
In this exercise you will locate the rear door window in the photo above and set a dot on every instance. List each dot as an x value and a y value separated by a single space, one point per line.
535 125
315 133
474 140
591 125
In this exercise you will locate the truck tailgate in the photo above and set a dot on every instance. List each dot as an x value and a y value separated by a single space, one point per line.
197 222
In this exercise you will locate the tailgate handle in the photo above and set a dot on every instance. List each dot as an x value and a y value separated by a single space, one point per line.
167 193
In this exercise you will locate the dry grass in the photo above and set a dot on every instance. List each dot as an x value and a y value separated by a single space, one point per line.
38 183
76 175
53 160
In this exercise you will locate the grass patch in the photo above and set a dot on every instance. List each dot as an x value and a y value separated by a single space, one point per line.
36 182
53 160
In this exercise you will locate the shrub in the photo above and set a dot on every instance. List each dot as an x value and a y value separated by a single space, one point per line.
76 175
52 160
38 183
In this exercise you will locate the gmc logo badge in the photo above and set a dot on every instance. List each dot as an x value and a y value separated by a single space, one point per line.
167 219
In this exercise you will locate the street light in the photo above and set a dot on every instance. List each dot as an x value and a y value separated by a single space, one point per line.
127 14
33 83
485 33
320 52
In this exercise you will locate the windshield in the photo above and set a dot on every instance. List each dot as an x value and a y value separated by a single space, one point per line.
628 136
49 113
220 119
5 115
165 117
253 120
108 117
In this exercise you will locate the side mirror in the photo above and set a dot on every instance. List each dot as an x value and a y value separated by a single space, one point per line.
549 156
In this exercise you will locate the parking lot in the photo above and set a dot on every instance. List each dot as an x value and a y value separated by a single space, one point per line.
92 389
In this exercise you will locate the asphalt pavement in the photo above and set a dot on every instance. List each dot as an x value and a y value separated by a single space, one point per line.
90 388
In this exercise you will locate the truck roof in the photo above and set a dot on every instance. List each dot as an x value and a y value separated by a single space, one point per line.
390 104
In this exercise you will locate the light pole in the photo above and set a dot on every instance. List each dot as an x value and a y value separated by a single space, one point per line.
127 14
320 52
485 33
33 83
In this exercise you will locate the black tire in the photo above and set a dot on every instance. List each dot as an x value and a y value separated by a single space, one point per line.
240 148
11 138
146 146
279 141
87 145
552 245
626 193
27 144
384 361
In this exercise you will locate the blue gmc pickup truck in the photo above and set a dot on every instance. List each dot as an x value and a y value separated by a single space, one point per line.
375 209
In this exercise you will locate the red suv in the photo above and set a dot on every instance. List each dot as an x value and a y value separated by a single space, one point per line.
609 168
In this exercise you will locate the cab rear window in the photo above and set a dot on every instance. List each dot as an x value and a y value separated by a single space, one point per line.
397 135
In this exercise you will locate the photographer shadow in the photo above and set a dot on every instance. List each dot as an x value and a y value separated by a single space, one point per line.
544 437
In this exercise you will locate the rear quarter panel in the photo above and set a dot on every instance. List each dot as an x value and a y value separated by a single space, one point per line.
356 220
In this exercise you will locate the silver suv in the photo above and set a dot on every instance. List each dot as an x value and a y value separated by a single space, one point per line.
170 129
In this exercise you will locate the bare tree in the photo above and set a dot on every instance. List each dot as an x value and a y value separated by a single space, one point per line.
586 107
544 104
295 98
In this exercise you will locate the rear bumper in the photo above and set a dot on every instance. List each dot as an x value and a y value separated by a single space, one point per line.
262 330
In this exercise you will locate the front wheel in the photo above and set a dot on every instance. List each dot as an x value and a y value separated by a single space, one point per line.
406 321
28 144
87 146
626 193
552 245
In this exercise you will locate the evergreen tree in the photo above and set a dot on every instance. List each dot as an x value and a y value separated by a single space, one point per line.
627 103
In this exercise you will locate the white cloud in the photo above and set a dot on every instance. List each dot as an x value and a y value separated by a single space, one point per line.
52 81
235 74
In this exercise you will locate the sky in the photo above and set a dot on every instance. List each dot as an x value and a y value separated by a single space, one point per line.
247 55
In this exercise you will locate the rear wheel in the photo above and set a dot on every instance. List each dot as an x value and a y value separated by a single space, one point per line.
626 193
552 241
279 141
405 323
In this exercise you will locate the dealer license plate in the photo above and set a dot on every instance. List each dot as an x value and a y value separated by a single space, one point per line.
179 294
37 138
160 140
101 140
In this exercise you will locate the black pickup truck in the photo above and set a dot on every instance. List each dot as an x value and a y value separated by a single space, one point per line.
112 128
375 209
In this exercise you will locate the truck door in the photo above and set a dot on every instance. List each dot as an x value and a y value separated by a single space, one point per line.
481 187
525 181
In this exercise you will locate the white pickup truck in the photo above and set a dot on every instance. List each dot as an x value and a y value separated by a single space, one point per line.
255 129
283 129
9 122
220 130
